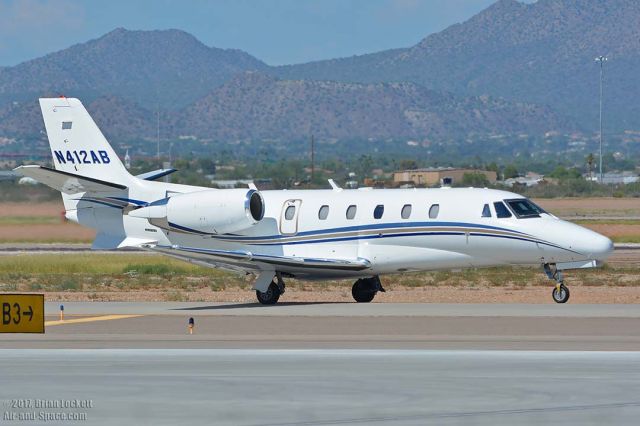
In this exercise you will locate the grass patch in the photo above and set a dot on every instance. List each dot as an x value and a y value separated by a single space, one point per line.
626 239
217 286
98 264
176 296
161 269
99 275
102 272
69 284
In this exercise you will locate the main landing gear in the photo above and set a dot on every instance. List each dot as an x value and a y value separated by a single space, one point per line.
560 292
365 289
271 296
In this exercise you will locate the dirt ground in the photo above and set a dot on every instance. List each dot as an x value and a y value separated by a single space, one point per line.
615 230
601 206
52 208
440 294
62 232
54 229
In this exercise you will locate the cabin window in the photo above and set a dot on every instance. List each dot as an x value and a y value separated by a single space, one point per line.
66 125
378 211
524 208
351 212
290 212
434 210
486 211
323 213
406 211
501 210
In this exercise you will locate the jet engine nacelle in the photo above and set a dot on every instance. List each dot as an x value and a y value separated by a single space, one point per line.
216 211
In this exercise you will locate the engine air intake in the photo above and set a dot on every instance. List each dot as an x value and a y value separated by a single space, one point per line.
256 205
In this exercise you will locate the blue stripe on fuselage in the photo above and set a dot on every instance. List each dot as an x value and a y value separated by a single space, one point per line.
364 228
130 201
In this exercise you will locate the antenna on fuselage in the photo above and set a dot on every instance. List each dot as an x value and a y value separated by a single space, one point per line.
334 185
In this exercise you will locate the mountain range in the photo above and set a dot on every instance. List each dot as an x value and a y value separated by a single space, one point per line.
512 68
540 52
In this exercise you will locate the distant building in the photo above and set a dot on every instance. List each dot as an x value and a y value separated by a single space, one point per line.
624 178
435 176
8 175
231 183
261 184
530 179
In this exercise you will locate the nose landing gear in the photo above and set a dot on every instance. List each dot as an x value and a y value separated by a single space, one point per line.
560 292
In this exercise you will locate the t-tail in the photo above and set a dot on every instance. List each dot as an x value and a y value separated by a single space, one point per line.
77 144
79 150
86 170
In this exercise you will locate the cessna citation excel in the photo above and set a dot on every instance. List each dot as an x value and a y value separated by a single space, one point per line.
305 234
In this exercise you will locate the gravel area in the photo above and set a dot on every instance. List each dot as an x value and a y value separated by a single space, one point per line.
429 294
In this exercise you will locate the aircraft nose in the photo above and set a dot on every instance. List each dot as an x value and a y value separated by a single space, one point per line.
602 247
594 245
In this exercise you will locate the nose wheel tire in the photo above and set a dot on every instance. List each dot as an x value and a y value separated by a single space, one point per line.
271 296
560 294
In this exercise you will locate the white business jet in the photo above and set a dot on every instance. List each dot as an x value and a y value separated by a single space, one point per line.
306 234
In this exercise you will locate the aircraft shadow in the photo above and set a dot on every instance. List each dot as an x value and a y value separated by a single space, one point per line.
251 305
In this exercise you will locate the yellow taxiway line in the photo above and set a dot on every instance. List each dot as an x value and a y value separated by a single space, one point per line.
89 319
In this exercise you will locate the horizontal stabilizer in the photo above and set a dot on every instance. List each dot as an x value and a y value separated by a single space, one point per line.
69 183
156 174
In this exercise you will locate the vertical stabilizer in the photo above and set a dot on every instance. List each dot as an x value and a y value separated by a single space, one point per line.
77 144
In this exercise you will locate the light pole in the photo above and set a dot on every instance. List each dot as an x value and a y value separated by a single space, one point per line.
601 60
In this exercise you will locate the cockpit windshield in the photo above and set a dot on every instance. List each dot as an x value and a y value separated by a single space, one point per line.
524 208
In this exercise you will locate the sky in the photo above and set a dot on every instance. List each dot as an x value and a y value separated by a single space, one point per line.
275 31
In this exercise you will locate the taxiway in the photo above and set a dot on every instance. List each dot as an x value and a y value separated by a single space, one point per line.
163 325
329 387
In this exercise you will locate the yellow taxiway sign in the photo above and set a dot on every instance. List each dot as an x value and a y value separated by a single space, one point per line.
21 313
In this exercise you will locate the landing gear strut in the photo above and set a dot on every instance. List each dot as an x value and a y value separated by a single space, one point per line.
273 293
560 292
365 289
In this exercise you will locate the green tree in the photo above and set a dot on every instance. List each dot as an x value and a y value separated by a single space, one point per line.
563 173
207 165
493 167
590 160
364 166
509 172
408 165
478 180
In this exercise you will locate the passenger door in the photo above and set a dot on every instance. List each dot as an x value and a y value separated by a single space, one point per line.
289 217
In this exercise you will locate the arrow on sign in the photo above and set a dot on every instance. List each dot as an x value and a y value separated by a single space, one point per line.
29 313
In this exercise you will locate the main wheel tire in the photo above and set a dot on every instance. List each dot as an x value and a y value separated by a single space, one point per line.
362 291
271 296
560 296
